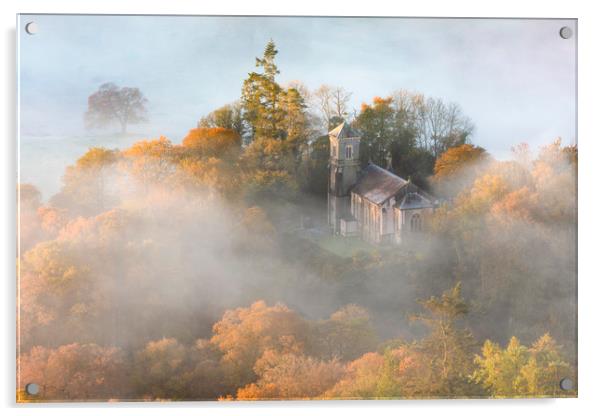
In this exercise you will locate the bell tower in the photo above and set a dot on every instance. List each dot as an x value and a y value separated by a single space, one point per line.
344 171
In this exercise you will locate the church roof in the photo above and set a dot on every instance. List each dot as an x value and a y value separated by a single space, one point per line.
413 200
343 131
377 184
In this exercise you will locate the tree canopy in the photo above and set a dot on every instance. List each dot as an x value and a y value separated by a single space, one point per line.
112 104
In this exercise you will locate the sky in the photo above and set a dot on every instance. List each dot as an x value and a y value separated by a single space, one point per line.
516 79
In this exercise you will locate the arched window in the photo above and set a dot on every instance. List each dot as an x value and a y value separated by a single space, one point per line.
415 222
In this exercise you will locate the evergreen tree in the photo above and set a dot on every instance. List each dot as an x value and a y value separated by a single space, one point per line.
261 97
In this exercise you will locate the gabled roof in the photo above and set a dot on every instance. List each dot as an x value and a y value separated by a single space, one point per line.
414 200
343 131
377 185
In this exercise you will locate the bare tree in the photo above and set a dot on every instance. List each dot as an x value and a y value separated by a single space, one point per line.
301 89
111 104
323 99
405 105
438 125
332 103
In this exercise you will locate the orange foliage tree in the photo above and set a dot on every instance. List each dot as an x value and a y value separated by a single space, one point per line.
290 376
212 142
400 372
167 369
151 161
243 334
89 185
457 167
346 335
75 372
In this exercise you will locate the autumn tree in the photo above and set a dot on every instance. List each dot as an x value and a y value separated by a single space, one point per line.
346 335
454 160
554 173
160 370
361 378
243 334
150 161
125 105
75 372
229 116
448 345
520 371
290 376
207 162
212 176
439 365
295 124
52 284
70 285
216 142
52 220
166 369
268 155
458 166
269 170
89 186
401 371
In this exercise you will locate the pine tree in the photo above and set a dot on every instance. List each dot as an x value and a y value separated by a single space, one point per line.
261 96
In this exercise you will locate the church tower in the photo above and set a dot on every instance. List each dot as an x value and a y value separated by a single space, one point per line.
344 172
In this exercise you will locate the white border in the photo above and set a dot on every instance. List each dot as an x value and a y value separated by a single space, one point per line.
590 154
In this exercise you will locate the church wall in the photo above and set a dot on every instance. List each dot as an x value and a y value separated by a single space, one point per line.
370 219
403 220
344 170
387 218
397 224
338 148
390 226
338 207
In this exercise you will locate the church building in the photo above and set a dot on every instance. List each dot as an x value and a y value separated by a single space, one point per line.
372 203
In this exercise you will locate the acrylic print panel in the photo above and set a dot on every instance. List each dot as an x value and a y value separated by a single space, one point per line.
267 208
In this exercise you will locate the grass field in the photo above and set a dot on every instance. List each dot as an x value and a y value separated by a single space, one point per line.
340 246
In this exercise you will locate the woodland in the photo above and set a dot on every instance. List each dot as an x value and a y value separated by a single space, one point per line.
175 270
